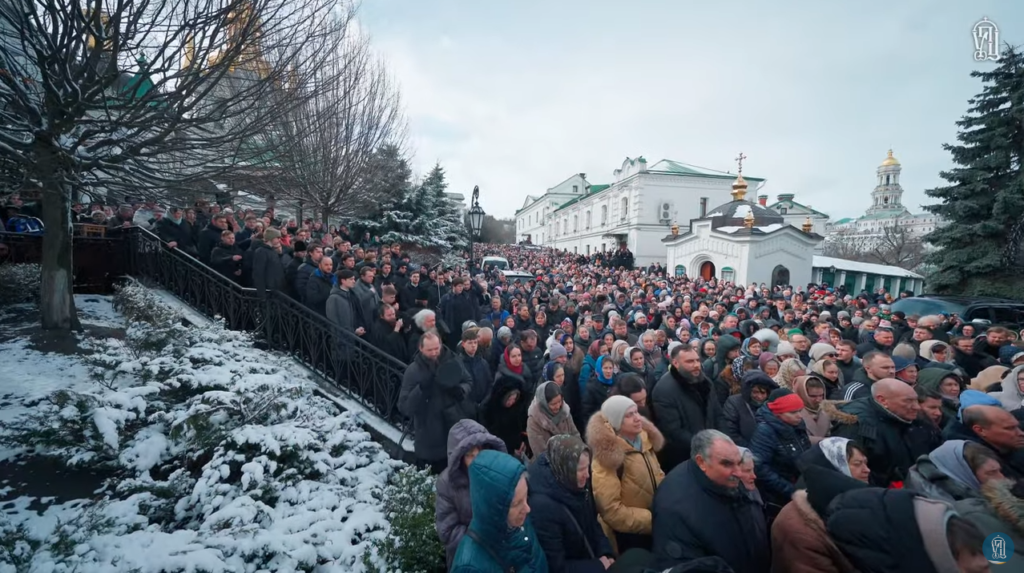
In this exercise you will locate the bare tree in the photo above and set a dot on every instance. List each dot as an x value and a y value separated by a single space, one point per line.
894 244
353 109
843 244
144 95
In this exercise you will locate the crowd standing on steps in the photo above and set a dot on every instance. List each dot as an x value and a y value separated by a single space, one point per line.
599 416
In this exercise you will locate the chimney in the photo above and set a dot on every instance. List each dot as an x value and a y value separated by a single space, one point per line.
785 196
762 200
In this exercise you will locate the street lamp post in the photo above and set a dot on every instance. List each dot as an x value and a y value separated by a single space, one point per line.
476 222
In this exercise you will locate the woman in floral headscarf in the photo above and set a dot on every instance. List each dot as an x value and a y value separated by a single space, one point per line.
788 372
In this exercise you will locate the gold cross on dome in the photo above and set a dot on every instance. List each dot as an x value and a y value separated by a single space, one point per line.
739 161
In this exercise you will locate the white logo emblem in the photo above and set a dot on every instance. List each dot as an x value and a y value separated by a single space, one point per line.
986 40
999 548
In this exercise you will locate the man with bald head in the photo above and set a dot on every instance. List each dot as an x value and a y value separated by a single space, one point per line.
882 423
990 425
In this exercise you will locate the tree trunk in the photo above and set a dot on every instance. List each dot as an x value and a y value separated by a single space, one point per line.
56 302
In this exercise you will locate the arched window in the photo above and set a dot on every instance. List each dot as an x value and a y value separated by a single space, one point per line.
624 209
575 223
587 220
604 215
680 270
728 274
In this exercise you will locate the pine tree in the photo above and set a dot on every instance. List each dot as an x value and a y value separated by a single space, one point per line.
388 181
983 204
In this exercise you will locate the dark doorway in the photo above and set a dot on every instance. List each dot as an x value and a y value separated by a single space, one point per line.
707 270
780 276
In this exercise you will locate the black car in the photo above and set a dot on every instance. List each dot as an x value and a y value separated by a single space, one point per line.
995 311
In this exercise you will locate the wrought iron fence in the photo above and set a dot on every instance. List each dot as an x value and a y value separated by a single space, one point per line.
360 370
97 262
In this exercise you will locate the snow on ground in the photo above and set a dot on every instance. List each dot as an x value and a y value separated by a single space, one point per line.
225 459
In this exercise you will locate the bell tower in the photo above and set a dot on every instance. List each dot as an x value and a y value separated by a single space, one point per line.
888 194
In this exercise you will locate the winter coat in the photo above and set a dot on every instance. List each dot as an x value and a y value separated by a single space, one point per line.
480 372
369 302
997 510
267 270
682 407
509 424
738 414
180 232
384 337
800 543
319 288
882 436
493 480
222 261
209 238
534 362
695 517
433 394
586 372
726 343
877 530
540 428
302 275
597 393
452 510
566 523
624 479
1012 462
340 309
777 447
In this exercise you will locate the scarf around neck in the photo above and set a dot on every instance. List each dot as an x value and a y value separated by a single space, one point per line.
508 364
542 398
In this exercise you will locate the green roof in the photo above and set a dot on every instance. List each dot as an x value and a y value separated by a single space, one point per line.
844 221
794 203
591 191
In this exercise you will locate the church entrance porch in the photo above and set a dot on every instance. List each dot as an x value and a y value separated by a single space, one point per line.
780 276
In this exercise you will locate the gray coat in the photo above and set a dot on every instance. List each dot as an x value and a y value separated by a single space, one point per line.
368 301
267 270
435 396
453 510
341 309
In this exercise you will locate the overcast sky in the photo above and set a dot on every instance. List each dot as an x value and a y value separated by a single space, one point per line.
515 96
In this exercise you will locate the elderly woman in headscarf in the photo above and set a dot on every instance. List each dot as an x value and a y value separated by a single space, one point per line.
954 471
599 387
947 384
653 355
840 455
788 371
634 362
618 352
1012 394
562 508
548 416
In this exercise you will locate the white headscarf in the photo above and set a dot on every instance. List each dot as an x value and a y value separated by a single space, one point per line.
835 452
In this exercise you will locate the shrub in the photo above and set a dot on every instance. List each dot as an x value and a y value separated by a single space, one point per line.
412 544
19 283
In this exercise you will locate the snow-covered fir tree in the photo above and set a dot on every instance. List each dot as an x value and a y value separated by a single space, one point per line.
446 227
389 178
984 201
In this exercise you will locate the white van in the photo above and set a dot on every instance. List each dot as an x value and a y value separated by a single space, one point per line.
500 263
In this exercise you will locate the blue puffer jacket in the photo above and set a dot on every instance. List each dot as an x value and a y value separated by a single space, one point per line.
776 447
493 478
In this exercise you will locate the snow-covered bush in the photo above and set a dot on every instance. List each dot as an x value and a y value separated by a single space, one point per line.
413 545
226 460
19 283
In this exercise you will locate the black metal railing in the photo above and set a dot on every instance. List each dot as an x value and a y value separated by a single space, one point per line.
97 262
355 367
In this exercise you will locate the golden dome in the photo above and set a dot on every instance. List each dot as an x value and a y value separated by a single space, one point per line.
808 225
739 188
890 160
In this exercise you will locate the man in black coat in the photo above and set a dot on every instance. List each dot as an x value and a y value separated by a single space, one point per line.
294 262
684 403
881 424
176 232
226 258
701 509
456 308
434 394
267 270
306 270
209 237
318 289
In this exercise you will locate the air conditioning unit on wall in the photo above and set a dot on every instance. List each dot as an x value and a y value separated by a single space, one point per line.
665 212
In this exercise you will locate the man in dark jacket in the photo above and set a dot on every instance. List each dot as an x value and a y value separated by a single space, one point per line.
294 262
367 296
880 423
433 394
226 258
882 341
174 231
306 270
994 427
701 509
876 366
318 288
267 270
684 404
456 308
340 306
209 237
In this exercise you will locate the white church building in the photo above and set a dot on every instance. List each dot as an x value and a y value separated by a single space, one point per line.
637 208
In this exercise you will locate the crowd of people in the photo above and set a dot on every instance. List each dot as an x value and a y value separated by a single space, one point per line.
599 416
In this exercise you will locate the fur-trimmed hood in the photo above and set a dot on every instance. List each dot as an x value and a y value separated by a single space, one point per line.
609 449
831 407
1007 506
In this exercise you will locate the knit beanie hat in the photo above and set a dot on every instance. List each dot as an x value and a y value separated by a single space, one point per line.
904 350
270 235
556 351
785 349
783 400
842 314
820 349
614 410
